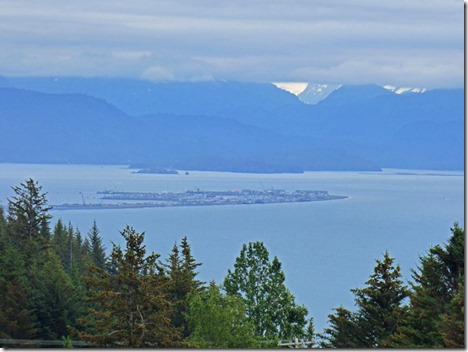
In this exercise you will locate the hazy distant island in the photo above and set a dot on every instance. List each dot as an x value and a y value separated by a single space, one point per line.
157 171
199 197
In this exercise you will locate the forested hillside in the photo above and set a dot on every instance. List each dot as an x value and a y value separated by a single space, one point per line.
63 287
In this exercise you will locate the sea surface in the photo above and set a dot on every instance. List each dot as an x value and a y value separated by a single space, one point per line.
326 247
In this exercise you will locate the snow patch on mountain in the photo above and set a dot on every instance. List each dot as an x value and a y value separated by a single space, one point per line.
316 92
295 88
404 90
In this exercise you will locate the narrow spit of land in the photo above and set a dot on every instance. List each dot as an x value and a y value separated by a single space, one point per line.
199 198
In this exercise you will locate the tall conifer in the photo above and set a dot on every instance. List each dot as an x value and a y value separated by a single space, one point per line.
132 307
436 311
181 269
97 250
17 317
380 311
28 219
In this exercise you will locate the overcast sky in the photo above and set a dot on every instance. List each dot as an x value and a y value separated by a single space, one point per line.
416 43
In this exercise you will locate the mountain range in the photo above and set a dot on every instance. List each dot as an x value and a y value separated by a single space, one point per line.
227 126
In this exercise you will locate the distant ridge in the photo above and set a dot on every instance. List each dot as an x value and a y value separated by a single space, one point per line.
74 128
347 94
228 126
139 97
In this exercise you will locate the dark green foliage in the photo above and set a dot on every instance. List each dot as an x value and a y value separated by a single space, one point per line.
436 311
380 303
453 259
59 239
181 269
3 228
219 321
421 328
62 243
133 310
434 317
189 265
58 300
17 318
44 290
379 313
453 326
270 305
28 218
343 331
68 244
134 301
97 251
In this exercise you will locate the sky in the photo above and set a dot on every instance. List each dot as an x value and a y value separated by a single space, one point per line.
415 43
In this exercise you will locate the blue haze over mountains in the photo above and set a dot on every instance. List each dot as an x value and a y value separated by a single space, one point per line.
227 126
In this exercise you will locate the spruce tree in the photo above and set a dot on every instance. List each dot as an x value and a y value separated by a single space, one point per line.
453 327
3 229
57 300
68 244
133 310
181 269
380 303
97 251
343 331
28 219
61 244
436 312
189 265
379 315
17 316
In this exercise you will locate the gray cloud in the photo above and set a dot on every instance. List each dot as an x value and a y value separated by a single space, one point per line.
402 42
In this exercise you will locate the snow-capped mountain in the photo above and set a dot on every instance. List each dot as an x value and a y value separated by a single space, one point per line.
316 92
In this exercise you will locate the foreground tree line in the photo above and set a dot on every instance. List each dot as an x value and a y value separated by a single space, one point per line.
60 285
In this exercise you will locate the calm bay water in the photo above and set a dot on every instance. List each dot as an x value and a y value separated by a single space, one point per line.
326 248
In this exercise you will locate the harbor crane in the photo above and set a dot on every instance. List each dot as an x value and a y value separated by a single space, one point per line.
82 197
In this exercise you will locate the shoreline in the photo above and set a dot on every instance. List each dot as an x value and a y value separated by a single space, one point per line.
200 198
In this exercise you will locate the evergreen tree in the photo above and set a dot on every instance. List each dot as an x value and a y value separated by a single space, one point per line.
60 243
79 258
97 251
343 332
133 310
453 327
270 305
421 327
380 303
28 220
68 244
182 273
17 318
57 300
435 317
189 265
219 321
453 259
311 335
3 229
380 311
